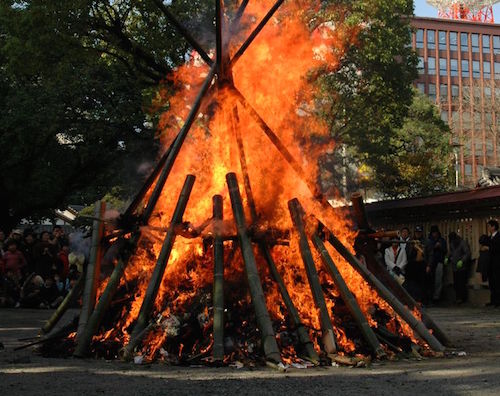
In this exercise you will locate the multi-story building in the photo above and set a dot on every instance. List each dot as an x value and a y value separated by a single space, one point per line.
459 68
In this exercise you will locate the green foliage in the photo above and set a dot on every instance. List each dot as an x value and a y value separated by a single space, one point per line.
77 78
418 160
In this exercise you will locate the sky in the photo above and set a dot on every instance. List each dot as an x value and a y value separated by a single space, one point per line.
425 10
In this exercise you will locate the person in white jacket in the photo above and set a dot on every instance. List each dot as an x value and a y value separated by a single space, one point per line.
396 260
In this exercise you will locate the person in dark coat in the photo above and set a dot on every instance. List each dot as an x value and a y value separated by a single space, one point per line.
435 254
415 270
494 267
483 261
459 258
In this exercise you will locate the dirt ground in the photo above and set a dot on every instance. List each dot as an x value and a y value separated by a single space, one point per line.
473 330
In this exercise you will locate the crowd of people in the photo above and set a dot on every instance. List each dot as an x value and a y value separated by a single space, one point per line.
36 270
419 262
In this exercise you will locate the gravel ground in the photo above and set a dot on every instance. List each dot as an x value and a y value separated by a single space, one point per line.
473 330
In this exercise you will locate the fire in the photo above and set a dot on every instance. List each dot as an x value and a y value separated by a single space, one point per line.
274 75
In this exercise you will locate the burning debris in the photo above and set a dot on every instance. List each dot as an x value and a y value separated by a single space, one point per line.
198 280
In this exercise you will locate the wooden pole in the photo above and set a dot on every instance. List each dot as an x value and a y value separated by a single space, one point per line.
101 308
93 269
349 299
159 270
417 326
70 298
264 323
176 146
256 31
328 337
303 334
218 291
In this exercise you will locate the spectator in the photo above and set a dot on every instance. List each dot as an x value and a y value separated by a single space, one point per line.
73 277
17 235
9 290
405 239
459 257
31 292
435 253
44 255
29 247
395 260
14 260
58 237
415 270
483 262
50 295
494 267
63 261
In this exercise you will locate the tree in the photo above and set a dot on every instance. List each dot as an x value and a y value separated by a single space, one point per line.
366 100
419 158
77 78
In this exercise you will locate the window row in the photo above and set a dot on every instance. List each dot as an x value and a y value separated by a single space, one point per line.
455 92
475 41
452 68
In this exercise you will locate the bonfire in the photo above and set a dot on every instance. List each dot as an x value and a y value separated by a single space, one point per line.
231 252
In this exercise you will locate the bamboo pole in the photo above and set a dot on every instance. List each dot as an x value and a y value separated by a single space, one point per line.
159 270
93 269
417 326
184 32
177 145
264 323
101 308
303 334
256 31
312 274
218 291
70 298
349 299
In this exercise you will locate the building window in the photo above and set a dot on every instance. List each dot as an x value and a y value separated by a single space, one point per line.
453 41
487 70
431 65
444 116
431 39
476 69
486 43
468 170
464 42
454 67
497 70
474 39
421 87
442 40
465 68
496 45
443 67
432 91
420 38
455 118
487 91
466 121
454 91
488 119
420 66
443 93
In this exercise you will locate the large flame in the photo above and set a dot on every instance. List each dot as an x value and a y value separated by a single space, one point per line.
275 76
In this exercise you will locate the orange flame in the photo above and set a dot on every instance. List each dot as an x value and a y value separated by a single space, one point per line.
273 75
